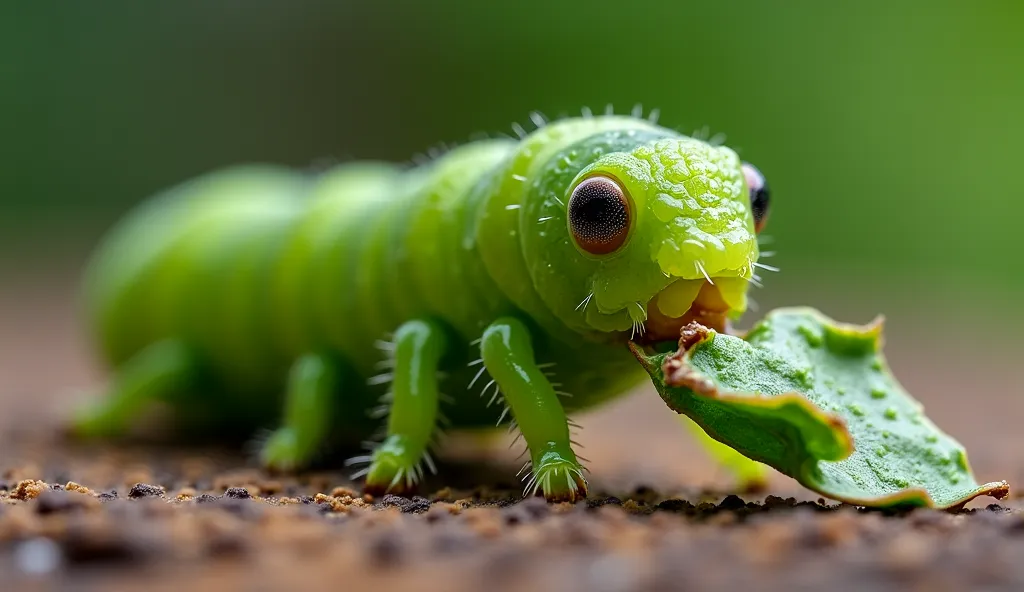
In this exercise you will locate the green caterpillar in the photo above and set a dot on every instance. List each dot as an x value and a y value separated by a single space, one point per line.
497 283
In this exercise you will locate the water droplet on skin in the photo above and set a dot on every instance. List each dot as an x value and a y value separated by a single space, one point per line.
878 393
891 413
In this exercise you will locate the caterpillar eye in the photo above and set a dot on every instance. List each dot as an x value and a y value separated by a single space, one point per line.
599 215
760 196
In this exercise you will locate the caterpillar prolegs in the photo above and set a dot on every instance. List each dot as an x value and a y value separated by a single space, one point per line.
495 284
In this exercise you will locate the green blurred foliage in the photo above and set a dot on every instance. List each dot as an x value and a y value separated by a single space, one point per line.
889 131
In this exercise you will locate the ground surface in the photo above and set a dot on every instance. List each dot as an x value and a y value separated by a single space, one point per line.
660 516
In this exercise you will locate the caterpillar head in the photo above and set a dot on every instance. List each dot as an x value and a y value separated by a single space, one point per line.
643 239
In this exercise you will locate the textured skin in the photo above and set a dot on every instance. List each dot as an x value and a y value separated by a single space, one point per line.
253 268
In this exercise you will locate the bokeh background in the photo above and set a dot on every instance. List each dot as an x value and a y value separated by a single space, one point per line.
890 133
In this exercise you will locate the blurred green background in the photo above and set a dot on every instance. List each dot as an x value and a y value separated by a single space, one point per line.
890 132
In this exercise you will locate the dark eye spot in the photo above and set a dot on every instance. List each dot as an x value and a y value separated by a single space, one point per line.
760 196
599 215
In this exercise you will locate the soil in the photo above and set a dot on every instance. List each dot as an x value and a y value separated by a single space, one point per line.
660 516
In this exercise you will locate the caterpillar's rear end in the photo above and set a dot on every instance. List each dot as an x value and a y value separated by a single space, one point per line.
193 263
518 269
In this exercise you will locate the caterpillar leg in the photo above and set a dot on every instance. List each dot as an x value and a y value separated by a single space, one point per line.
750 475
395 464
160 371
508 357
308 410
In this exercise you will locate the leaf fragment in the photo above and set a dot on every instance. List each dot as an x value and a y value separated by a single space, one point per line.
814 399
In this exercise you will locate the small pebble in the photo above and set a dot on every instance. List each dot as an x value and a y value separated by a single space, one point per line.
38 556
237 493
140 490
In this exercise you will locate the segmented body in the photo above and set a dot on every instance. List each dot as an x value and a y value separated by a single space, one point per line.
251 268
256 265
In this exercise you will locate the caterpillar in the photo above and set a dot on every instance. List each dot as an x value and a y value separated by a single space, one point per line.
498 283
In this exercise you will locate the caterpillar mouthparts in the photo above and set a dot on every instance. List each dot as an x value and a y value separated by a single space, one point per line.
669 311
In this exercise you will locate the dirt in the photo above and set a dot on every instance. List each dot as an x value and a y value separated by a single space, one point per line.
660 516
200 524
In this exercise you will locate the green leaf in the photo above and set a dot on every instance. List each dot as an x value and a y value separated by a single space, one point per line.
814 399
750 475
